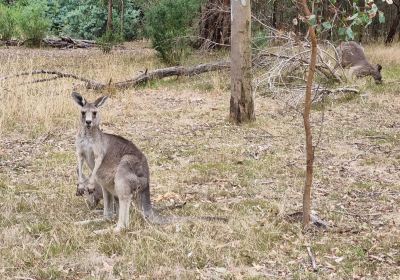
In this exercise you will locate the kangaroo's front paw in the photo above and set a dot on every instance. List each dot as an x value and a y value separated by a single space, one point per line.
90 187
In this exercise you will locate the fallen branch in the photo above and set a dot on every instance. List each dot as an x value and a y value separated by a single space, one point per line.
10 42
315 220
67 43
312 259
89 83
140 79
62 43
172 71
321 93
323 69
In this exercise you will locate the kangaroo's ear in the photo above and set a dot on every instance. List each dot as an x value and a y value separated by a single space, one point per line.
379 67
100 101
78 99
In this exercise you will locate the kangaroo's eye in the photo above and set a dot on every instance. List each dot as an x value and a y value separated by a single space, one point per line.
94 114
83 114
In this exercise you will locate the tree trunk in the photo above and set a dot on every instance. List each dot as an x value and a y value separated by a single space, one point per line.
122 17
393 26
306 117
109 18
241 104
274 13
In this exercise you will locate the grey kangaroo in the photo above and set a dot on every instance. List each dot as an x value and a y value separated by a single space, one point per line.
118 166
350 54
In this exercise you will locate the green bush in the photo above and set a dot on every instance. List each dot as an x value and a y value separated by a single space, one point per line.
131 22
7 22
32 22
88 19
168 24
84 20
108 40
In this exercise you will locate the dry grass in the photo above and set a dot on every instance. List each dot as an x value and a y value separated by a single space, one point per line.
252 174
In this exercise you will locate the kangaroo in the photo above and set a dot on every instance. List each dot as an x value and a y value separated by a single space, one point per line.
92 199
350 54
120 168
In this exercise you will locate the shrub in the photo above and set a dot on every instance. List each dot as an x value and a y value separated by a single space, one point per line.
32 22
7 23
84 20
168 24
131 22
88 19
108 40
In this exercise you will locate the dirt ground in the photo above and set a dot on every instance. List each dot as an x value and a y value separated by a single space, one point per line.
252 174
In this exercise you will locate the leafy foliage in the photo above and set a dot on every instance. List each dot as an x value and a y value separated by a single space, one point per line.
88 19
349 22
108 40
32 22
7 22
75 18
169 28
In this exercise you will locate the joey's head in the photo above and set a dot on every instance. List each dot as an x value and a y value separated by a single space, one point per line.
377 74
90 116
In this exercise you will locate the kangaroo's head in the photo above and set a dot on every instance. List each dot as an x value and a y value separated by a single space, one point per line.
377 74
90 116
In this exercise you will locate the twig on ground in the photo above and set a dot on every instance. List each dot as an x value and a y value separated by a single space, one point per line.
312 259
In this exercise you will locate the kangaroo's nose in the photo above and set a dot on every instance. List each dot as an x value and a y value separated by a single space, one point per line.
88 122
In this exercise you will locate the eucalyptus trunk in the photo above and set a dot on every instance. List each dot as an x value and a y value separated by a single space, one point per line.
109 17
242 103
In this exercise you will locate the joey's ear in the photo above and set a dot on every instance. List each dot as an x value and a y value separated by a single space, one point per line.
100 101
379 67
78 99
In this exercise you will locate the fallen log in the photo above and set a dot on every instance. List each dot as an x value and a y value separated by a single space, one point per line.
68 43
138 80
61 43
10 42
172 71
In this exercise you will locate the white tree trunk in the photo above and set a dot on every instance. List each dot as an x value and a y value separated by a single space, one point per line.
241 104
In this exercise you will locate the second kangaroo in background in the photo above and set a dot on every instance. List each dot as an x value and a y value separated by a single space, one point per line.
350 54
120 168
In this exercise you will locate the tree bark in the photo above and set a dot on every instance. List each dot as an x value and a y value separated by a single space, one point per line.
122 17
109 17
393 26
241 103
306 119
274 13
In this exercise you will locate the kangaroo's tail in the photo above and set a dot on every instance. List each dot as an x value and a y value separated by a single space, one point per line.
153 217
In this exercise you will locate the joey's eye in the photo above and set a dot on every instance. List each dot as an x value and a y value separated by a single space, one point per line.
94 114
83 114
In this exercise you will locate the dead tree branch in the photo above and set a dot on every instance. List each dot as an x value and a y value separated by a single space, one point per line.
172 71
140 79
61 43
312 259
89 83
67 43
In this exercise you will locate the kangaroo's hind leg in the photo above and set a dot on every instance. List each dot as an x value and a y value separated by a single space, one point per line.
128 181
